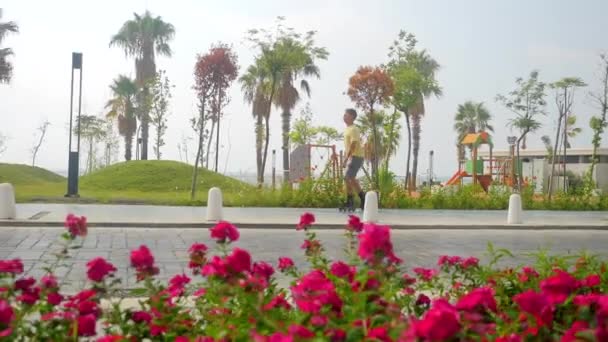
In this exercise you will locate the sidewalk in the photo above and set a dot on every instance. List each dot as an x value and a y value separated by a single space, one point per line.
145 216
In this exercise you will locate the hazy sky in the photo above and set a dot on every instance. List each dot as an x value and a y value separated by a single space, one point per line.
481 45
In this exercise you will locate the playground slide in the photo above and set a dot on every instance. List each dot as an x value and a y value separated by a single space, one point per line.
456 177
485 181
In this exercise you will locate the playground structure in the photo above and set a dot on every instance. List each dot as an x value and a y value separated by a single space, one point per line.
303 163
500 171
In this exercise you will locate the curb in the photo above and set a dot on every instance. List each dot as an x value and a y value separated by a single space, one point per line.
328 226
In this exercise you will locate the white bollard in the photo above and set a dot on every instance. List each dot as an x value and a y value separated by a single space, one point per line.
214 205
370 211
8 210
515 214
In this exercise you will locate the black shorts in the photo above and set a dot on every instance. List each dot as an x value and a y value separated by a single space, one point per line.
353 167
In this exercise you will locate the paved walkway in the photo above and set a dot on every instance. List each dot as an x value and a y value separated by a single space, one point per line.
35 246
164 217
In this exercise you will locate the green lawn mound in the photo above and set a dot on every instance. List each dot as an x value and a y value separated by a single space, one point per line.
157 176
19 174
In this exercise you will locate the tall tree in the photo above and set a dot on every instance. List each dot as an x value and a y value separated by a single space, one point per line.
599 123
122 108
293 58
143 37
564 99
388 135
370 87
42 129
471 117
255 86
92 131
160 95
303 132
527 102
6 67
414 74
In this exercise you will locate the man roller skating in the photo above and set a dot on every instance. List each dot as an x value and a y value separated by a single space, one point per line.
353 161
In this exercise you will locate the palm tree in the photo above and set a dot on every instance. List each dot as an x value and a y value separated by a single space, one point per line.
471 117
123 109
426 67
255 85
143 37
300 64
6 68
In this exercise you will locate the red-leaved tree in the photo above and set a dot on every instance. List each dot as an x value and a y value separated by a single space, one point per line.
370 87
214 72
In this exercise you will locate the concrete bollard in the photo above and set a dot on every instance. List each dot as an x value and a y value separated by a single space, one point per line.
370 211
515 214
8 209
214 205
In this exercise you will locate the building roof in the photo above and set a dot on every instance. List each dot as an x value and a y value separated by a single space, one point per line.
543 152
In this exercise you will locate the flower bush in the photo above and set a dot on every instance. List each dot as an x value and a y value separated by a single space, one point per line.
371 296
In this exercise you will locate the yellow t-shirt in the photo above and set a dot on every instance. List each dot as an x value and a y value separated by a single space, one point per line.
353 134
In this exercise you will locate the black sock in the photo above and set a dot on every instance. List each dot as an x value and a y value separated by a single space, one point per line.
362 195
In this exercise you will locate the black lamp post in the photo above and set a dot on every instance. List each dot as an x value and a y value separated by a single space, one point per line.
74 150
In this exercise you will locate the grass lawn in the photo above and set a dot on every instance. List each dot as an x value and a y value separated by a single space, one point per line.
135 182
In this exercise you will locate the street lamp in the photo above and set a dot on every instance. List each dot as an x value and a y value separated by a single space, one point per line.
74 151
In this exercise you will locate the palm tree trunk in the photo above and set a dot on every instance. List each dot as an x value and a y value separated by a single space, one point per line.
554 157
416 145
259 141
409 150
565 143
286 118
267 132
198 151
128 146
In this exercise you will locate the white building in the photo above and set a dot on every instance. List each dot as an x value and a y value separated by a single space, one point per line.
578 161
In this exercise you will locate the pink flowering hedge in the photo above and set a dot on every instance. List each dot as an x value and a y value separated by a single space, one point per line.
228 296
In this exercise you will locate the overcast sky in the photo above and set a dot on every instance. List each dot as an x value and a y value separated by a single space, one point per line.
481 45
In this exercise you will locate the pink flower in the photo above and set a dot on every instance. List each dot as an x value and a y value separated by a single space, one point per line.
143 261
300 331
378 334
263 269
141 316
314 291
535 304
469 262
342 270
89 308
592 280
278 301
86 325
510 338
98 269
239 261
526 273
570 334
480 298
559 286
77 226
224 231
112 338
423 300
306 220
336 335
25 284
177 284
425 274
285 263
440 323
6 313
14 266
198 256
216 267
30 296
49 282
586 299
319 320
445 260
54 298
375 244
354 224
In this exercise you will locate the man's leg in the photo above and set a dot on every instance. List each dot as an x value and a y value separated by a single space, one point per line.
349 191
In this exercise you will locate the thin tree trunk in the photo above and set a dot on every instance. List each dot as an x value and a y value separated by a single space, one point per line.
217 138
389 148
198 152
416 146
554 155
375 175
259 141
286 120
565 143
409 151
211 135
